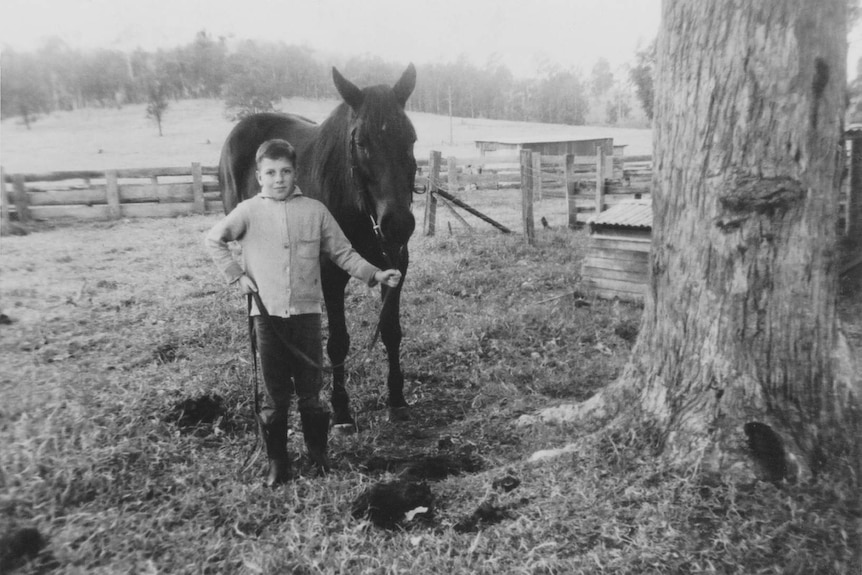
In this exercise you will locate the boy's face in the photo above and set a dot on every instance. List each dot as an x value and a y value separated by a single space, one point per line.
276 177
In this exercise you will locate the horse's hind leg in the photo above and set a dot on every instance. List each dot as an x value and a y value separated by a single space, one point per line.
334 281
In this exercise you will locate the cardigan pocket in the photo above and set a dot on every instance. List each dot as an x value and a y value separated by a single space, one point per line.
308 248
306 283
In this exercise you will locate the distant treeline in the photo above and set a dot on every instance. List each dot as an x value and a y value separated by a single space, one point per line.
252 75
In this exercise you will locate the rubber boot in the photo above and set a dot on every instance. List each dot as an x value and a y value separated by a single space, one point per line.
315 429
275 439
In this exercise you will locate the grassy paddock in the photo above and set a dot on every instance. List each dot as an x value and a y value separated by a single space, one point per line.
115 324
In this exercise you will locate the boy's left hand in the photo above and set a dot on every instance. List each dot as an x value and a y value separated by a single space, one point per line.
388 277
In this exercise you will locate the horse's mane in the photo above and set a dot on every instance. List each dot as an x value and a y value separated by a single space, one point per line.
332 148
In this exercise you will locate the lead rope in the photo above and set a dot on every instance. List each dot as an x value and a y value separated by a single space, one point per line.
260 436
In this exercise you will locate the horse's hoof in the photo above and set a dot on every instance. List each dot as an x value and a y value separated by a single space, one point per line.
344 428
399 414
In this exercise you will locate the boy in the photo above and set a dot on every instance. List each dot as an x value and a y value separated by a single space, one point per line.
283 235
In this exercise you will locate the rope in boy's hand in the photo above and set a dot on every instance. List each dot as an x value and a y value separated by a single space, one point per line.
247 285
389 278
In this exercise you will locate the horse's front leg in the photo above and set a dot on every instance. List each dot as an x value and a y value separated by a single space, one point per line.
334 281
390 334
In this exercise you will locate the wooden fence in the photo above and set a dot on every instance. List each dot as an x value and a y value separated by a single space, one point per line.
113 194
587 183
161 192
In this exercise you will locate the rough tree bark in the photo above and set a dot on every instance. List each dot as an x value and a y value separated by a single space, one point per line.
740 362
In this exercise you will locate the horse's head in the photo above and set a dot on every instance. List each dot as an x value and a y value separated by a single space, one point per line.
380 142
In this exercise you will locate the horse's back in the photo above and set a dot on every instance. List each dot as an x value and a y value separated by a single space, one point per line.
236 163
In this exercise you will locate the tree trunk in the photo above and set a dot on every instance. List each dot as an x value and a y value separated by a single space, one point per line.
740 363
740 332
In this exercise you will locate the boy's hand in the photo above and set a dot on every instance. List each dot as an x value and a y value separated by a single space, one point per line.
246 285
388 277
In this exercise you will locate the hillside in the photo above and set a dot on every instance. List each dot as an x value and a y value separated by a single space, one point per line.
194 130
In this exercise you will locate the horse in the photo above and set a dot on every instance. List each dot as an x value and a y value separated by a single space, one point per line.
359 162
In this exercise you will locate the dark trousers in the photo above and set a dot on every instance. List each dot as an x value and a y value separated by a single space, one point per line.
284 372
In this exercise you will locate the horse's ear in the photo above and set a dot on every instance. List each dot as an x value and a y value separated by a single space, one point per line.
351 95
405 85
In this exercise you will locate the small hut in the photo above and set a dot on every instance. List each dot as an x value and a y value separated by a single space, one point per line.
551 145
558 146
617 260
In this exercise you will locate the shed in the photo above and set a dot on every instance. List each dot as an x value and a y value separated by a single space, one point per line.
551 145
554 145
617 259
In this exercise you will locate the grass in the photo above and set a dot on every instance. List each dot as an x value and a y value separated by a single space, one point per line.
115 325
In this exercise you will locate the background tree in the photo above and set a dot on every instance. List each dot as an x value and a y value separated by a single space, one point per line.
105 78
205 62
254 76
641 75
617 106
369 70
24 89
60 66
740 365
560 97
252 85
854 88
495 88
601 79
157 103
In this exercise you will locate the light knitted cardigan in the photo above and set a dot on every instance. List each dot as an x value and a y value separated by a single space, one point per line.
282 242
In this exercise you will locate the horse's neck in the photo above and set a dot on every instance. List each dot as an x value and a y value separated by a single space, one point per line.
331 173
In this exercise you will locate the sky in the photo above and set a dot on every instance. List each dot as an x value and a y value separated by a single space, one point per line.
522 34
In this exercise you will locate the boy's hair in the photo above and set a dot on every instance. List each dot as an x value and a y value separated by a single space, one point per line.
276 149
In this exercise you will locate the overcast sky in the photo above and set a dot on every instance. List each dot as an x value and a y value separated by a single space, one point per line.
570 33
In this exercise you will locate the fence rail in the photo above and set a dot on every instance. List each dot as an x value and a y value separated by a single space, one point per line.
112 194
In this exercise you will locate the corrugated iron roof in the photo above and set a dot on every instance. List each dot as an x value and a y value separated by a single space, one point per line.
540 139
629 214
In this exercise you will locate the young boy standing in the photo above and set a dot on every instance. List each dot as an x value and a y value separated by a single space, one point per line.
283 234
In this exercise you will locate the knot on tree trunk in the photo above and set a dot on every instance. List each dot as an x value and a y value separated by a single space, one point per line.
756 196
772 460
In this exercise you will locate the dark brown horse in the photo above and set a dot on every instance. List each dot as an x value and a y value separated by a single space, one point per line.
359 162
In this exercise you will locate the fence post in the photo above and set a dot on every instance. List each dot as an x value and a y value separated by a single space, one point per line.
112 194
452 175
198 188
22 202
4 204
431 199
568 186
600 179
537 176
527 196
154 181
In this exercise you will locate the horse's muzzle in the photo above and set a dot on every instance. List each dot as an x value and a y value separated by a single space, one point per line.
397 226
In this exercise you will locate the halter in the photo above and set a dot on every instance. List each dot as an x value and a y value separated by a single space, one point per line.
367 202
